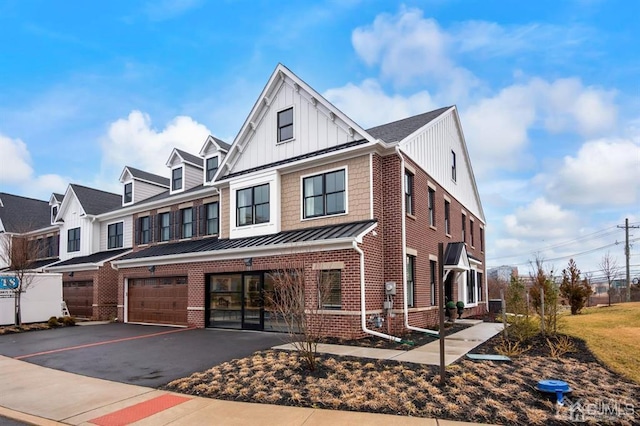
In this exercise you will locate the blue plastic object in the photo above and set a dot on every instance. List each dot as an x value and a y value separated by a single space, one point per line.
554 386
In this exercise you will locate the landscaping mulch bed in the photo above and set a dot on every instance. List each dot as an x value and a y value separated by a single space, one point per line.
409 340
476 391
61 322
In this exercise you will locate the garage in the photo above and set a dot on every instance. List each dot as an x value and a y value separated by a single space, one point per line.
79 297
158 300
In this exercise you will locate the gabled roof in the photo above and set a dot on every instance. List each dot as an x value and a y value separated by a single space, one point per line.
57 197
95 201
322 233
212 140
186 157
400 129
146 176
21 214
455 257
222 144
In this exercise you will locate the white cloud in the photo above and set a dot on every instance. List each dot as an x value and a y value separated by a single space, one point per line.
18 174
541 220
134 142
369 106
603 172
16 161
408 47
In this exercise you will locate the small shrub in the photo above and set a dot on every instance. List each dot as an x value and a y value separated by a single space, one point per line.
561 346
522 328
69 321
510 348
53 322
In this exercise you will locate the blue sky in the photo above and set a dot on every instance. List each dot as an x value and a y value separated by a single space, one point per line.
548 94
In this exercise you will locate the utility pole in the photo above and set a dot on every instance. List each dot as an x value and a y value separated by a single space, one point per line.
627 253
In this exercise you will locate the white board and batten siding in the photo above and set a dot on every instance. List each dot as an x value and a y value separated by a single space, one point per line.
73 218
431 149
313 129
127 232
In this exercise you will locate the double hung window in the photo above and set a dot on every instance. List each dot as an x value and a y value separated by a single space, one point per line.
324 194
252 205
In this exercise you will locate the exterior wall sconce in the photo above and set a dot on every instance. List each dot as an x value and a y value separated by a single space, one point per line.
152 268
248 261
71 274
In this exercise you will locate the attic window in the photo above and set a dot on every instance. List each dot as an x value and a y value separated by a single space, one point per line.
128 193
453 166
54 213
285 125
176 179
212 167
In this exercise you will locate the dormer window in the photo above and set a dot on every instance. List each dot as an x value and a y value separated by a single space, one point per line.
285 125
212 168
54 213
128 193
176 179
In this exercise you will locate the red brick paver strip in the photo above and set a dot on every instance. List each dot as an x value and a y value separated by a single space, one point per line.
139 411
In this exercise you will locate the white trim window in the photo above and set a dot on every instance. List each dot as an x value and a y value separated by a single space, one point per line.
411 280
252 205
211 213
408 192
285 125
211 167
432 206
145 230
186 221
164 226
127 196
454 165
447 217
73 240
330 289
324 194
115 235
176 178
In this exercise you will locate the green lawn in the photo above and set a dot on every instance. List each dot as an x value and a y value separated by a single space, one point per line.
612 333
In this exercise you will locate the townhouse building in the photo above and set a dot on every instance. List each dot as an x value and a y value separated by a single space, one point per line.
26 226
301 186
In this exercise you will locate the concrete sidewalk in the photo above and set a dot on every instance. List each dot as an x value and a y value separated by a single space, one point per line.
456 346
42 396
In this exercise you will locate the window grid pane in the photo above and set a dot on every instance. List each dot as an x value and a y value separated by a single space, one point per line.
324 194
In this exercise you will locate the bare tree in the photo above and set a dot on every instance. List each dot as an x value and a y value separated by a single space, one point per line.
610 270
297 300
543 282
19 252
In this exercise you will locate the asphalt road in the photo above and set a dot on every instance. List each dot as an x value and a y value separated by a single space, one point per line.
136 354
4 421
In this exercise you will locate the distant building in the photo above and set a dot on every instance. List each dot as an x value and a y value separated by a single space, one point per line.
502 273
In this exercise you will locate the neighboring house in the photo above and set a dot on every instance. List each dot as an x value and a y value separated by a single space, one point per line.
27 219
302 184
87 245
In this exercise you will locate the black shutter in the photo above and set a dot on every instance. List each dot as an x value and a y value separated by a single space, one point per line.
172 233
56 245
203 220
152 231
136 229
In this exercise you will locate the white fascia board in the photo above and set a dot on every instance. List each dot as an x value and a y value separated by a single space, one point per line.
304 163
284 249
361 235
165 202
73 268
65 203
122 178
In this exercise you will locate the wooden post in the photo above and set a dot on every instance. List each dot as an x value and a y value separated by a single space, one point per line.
542 310
505 333
441 303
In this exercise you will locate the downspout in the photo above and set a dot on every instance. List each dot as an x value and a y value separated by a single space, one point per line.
363 316
404 254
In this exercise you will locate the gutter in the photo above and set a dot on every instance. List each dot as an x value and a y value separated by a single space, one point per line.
405 301
363 316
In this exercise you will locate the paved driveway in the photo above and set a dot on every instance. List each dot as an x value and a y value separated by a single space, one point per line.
135 354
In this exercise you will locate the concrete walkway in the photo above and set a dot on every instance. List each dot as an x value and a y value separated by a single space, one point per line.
42 396
456 346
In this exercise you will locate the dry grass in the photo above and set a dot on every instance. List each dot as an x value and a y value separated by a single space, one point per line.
612 334
487 392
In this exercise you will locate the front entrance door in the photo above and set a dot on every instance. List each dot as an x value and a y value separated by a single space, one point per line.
448 288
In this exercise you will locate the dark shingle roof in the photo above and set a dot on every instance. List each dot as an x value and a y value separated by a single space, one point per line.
222 143
398 130
95 201
58 197
141 174
92 258
190 157
331 232
22 214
